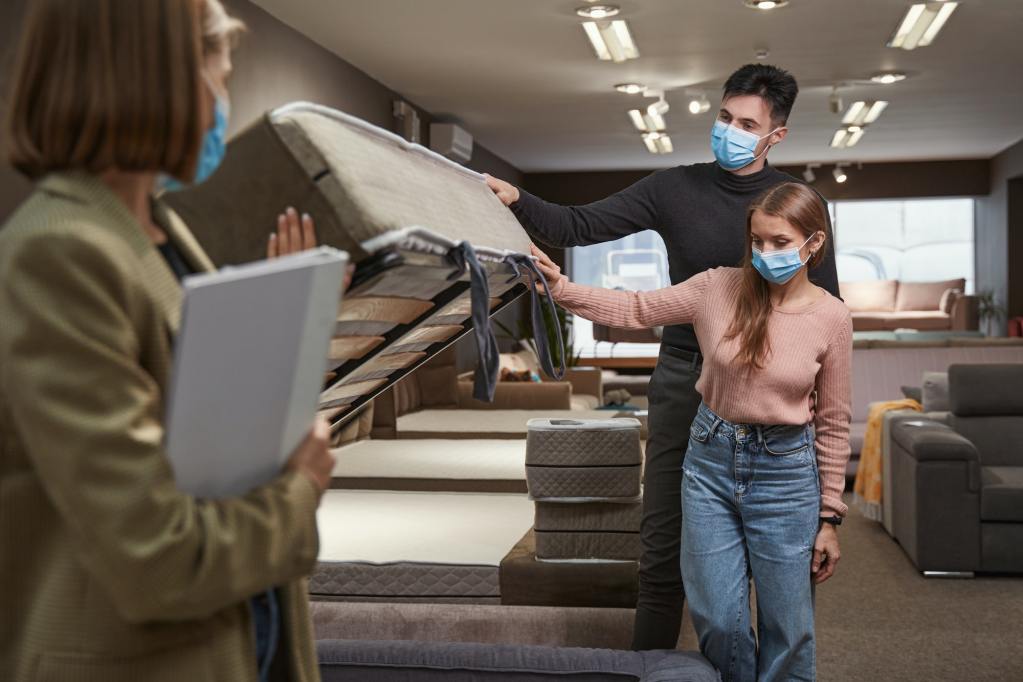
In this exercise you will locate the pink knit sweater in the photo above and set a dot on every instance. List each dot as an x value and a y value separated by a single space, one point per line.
810 348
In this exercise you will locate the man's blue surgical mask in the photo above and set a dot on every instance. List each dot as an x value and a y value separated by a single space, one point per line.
779 266
214 144
733 147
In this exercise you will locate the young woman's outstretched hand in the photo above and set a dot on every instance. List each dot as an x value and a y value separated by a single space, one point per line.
549 269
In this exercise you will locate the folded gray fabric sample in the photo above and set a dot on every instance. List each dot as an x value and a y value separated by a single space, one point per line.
583 442
622 517
575 545
590 483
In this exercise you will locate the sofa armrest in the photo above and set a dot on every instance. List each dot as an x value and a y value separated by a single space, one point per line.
935 496
965 313
586 381
514 395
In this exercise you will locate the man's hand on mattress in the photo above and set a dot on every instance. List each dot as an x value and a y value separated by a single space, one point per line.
550 270
312 458
293 234
505 191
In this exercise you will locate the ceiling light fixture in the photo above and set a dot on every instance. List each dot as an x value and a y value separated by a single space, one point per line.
840 175
847 137
921 24
863 112
655 114
598 11
888 77
765 4
808 174
611 41
630 88
646 123
658 143
699 104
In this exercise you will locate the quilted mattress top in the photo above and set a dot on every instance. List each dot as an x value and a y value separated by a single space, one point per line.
572 424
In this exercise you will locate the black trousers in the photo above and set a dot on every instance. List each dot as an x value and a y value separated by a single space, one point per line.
673 406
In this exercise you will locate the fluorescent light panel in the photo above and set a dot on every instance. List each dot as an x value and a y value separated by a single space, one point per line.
921 24
611 41
863 112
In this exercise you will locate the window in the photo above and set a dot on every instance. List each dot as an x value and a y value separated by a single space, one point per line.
913 240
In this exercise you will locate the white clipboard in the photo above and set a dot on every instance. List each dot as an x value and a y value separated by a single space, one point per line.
249 364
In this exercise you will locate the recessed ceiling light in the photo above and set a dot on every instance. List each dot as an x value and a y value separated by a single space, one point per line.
598 11
765 4
658 143
630 88
888 77
847 137
921 24
612 40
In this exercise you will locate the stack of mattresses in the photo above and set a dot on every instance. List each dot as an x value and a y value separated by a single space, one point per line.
584 476
402 212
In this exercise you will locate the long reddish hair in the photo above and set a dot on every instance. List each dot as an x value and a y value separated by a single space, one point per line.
803 209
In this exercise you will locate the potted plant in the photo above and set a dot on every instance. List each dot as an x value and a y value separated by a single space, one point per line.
990 311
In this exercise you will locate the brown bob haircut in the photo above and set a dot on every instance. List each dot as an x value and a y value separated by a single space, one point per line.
108 84
803 209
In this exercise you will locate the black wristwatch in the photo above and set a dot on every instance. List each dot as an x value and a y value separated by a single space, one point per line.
833 520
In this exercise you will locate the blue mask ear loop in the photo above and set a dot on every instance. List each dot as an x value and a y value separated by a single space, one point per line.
533 275
488 358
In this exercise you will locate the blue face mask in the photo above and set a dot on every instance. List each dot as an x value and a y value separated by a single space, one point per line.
733 147
214 147
779 267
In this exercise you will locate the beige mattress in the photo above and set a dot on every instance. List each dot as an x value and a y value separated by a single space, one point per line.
432 465
398 209
416 546
476 424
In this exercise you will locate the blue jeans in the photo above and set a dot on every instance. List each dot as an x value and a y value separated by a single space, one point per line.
750 508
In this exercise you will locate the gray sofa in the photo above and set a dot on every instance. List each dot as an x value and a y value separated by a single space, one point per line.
391 661
957 489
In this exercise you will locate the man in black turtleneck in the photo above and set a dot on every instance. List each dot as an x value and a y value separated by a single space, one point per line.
700 212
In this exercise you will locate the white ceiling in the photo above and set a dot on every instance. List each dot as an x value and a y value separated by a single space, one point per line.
522 78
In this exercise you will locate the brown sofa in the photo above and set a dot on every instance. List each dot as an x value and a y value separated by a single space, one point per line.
887 305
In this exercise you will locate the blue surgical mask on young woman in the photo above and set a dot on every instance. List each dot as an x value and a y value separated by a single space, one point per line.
779 267
733 147
213 149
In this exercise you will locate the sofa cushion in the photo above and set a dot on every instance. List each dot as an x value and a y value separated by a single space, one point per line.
934 392
1001 493
948 300
869 295
986 389
924 295
870 322
920 320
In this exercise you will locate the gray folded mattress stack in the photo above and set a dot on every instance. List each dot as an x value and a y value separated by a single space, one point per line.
584 477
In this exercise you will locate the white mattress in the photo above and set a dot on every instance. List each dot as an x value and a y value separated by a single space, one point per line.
416 545
474 424
432 459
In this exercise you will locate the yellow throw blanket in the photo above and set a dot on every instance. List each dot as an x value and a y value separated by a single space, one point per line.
867 489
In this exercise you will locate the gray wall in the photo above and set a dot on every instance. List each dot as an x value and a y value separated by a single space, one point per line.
999 224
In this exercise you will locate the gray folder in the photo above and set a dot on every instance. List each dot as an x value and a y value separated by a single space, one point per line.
248 369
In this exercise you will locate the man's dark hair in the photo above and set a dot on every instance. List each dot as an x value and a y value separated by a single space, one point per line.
775 85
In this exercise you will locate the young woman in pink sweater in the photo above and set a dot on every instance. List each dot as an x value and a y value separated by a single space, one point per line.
765 467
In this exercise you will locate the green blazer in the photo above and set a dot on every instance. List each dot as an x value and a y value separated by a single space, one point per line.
107 571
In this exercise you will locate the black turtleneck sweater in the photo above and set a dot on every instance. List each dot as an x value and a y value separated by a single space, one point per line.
699 211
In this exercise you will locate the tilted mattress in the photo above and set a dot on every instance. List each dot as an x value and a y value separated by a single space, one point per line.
416 545
398 209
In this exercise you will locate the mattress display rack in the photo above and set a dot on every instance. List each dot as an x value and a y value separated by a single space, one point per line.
435 250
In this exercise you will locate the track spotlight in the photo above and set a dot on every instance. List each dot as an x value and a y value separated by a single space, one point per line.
840 175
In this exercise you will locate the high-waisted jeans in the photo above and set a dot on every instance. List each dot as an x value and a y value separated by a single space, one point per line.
750 509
